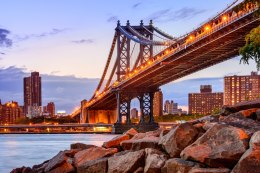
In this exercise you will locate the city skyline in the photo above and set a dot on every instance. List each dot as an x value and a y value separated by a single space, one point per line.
39 45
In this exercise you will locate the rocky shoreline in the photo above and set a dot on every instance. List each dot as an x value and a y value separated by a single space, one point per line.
224 143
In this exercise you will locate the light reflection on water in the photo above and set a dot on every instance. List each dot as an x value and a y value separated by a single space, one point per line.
30 149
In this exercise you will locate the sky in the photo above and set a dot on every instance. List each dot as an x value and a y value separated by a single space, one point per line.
68 42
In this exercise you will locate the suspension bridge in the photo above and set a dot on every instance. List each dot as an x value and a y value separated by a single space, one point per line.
143 57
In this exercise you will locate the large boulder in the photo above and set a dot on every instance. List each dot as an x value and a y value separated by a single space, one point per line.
22 170
115 142
226 110
238 120
94 166
257 115
92 154
178 165
60 160
154 161
178 138
126 163
40 167
64 168
138 144
220 146
209 170
250 160
131 132
81 146
249 113
208 118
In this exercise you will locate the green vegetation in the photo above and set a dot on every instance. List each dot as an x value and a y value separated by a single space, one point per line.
47 120
172 118
251 49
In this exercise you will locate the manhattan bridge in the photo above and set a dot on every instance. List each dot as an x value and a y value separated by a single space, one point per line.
143 57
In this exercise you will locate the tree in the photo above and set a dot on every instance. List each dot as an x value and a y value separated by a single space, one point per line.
251 50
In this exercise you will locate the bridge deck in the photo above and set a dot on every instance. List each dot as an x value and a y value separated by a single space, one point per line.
220 44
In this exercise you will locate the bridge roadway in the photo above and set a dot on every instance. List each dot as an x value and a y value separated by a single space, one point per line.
55 125
218 43
63 128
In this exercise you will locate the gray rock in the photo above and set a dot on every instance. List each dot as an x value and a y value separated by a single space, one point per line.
58 160
81 146
92 154
179 138
226 110
154 161
238 120
147 142
220 146
127 163
178 165
94 166
209 170
250 160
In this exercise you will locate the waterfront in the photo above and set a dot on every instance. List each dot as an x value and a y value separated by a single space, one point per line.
27 150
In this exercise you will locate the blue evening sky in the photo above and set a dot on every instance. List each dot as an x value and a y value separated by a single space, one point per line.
68 41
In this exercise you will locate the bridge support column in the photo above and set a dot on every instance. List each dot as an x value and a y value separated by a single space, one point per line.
83 112
123 113
146 122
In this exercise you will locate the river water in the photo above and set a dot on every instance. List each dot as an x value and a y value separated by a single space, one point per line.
18 150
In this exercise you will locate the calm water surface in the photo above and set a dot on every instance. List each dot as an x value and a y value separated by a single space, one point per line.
30 149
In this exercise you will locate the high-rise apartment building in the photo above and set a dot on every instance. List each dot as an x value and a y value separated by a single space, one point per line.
32 93
158 104
205 102
10 112
50 108
134 113
241 88
172 108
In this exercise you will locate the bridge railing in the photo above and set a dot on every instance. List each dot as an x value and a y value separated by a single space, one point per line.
186 41
191 38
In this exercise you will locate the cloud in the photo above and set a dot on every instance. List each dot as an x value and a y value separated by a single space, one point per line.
52 32
65 91
54 72
136 5
167 15
83 41
4 41
113 19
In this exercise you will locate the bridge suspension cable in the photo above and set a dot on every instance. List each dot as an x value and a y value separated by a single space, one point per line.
107 65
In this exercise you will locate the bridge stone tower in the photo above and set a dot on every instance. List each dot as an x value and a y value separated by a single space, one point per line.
144 95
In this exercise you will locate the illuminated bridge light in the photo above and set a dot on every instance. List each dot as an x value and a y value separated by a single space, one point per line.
224 18
207 28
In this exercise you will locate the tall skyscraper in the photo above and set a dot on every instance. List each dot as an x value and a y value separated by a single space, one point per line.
32 93
241 88
51 108
205 102
158 104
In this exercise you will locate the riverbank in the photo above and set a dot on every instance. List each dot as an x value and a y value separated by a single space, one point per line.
228 142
